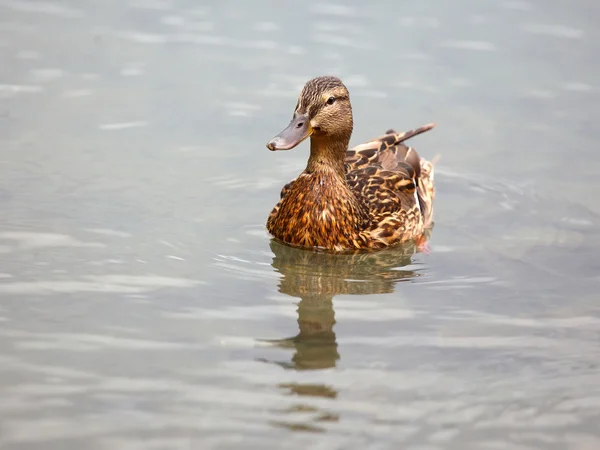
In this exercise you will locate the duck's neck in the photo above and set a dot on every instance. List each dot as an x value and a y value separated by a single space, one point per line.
328 154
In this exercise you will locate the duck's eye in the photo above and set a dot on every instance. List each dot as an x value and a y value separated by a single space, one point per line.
330 100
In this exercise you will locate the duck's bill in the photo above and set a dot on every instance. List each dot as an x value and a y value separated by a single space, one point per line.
298 130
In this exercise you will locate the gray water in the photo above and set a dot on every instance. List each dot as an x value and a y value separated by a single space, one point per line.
143 305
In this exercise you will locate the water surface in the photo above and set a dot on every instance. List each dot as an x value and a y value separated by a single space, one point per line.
143 305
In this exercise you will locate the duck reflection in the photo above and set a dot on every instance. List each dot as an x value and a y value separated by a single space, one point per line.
316 278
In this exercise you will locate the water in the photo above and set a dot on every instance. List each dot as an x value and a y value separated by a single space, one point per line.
143 306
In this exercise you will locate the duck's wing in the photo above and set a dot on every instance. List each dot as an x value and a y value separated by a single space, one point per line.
384 191
385 175
387 151
392 202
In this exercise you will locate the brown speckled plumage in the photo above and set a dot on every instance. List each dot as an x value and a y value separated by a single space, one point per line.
375 195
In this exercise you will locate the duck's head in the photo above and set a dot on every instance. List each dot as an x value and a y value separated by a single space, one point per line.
323 112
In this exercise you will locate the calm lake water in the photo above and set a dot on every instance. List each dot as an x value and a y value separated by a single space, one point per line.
143 305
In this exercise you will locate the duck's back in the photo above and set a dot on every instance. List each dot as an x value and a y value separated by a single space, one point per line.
395 184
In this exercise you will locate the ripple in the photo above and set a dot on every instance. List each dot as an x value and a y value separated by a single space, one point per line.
157 5
11 89
408 21
76 93
518 5
372 313
117 126
577 87
235 182
576 322
254 313
144 38
173 20
485 46
88 342
47 74
32 240
245 268
199 39
28 55
265 27
133 69
51 9
342 41
333 10
241 108
109 232
560 31
123 284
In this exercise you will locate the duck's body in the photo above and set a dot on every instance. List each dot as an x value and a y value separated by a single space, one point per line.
376 195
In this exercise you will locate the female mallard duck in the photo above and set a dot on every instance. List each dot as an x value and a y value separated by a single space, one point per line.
373 196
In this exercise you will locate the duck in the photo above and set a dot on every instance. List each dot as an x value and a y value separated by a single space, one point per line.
376 195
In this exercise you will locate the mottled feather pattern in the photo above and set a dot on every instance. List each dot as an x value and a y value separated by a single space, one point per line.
319 211
387 174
